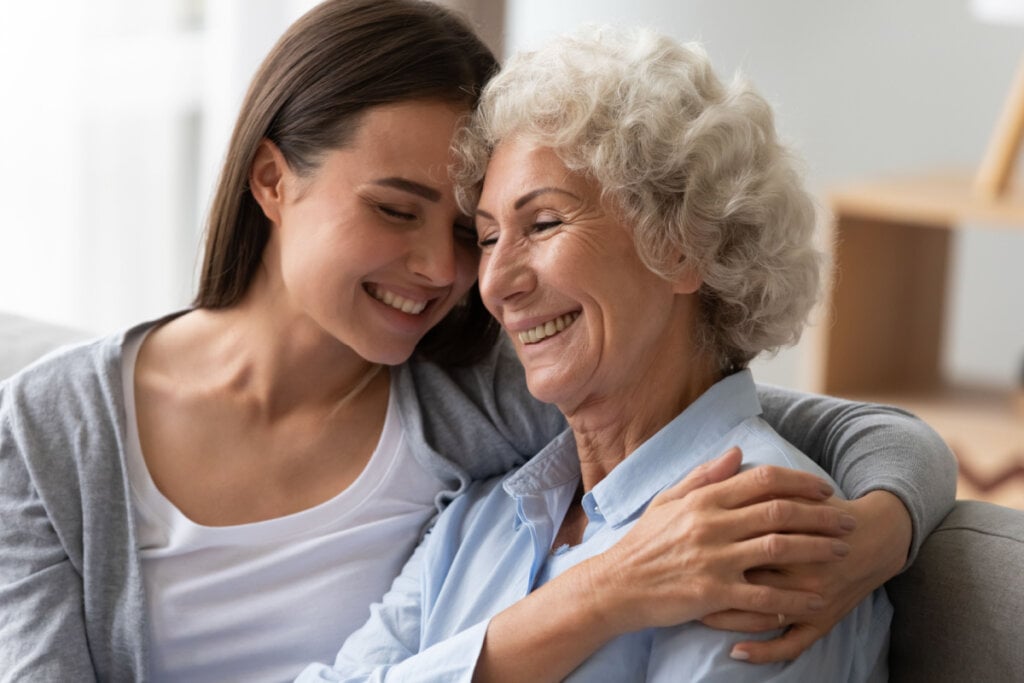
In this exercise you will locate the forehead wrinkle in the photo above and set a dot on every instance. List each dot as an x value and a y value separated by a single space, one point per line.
530 196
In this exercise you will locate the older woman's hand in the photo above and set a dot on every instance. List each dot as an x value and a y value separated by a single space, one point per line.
879 549
689 553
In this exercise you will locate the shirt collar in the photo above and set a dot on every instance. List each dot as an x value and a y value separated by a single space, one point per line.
556 464
674 450
534 486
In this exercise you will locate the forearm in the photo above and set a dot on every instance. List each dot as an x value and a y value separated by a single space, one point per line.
551 631
911 462
867 447
685 557
883 527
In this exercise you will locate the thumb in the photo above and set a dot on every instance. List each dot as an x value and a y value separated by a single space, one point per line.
710 472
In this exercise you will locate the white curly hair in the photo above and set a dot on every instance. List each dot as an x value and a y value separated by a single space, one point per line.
694 165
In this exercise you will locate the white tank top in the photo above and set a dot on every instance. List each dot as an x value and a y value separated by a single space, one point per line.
260 601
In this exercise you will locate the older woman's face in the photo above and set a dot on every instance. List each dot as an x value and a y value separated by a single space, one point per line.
560 272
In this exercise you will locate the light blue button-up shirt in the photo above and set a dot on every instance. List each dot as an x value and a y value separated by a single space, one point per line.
492 546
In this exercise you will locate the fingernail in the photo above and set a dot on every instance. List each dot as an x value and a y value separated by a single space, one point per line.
741 655
826 490
816 603
841 549
847 522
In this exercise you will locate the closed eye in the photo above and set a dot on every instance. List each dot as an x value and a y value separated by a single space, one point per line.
539 226
395 213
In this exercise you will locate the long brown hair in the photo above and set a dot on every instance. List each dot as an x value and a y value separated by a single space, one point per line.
330 66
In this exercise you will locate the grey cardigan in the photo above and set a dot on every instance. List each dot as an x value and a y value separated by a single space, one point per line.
71 591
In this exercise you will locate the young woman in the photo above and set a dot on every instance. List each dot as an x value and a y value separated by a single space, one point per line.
222 493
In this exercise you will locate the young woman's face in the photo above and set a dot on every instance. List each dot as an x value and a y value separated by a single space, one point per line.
373 247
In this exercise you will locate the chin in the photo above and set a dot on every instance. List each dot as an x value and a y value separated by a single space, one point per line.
389 357
385 354
547 389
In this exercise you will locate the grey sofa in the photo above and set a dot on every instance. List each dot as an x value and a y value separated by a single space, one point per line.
958 608
23 340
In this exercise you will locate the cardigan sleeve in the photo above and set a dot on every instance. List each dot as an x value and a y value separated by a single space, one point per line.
70 581
868 447
42 629
480 419
483 421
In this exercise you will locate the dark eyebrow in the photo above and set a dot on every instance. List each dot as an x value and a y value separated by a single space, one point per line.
529 197
418 189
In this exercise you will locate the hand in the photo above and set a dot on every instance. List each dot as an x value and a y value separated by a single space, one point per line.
878 551
687 555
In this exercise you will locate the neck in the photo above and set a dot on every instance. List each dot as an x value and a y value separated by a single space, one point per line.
609 426
279 359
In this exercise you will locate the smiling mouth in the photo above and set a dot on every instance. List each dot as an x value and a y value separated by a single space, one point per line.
396 301
548 329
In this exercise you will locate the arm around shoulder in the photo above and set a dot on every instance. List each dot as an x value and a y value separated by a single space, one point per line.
869 447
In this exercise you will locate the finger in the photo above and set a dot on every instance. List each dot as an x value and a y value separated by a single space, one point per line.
768 481
786 647
737 620
771 577
786 549
793 516
812 578
710 472
772 601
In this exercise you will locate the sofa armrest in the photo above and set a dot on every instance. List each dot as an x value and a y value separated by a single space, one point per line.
959 607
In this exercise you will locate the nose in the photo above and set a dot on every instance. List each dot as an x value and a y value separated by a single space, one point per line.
432 256
505 274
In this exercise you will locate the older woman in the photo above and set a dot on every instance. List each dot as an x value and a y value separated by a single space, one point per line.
644 237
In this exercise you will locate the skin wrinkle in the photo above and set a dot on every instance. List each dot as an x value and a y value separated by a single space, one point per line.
727 172
527 270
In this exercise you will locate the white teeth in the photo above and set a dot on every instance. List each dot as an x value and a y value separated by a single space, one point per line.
548 329
395 301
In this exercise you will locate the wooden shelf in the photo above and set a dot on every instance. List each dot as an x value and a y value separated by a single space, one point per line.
883 339
942 199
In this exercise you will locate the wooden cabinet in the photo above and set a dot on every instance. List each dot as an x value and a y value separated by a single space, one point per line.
883 339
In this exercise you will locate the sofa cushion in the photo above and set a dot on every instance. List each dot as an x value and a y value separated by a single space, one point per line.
959 608
23 340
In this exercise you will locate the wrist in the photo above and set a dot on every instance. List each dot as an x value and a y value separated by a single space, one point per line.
604 597
887 528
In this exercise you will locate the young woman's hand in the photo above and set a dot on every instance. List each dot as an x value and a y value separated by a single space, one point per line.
689 553
878 551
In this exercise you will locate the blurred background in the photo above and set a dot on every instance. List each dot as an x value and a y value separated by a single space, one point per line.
115 115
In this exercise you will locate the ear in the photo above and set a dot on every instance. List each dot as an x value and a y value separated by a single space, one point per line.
267 179
688 281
